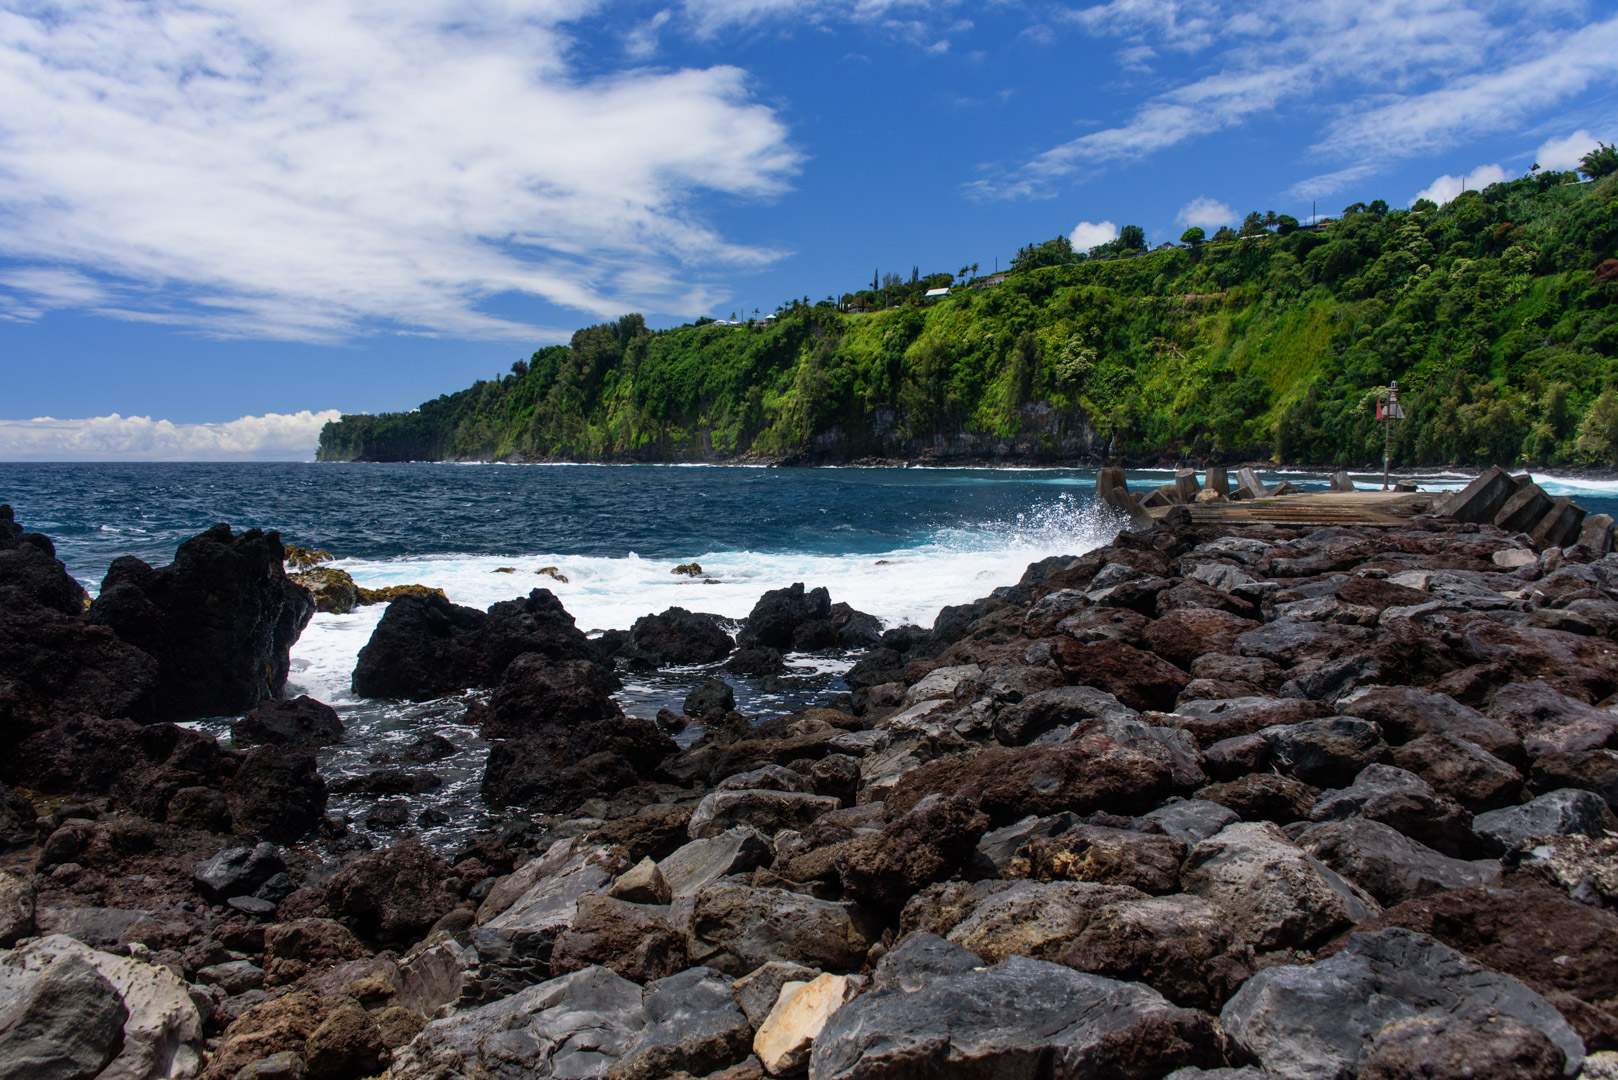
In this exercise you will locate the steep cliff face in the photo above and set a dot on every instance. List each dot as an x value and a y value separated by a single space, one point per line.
1497 315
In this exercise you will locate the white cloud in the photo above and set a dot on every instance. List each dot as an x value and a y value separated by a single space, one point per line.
271 437
1087 234
710 18
309 170
1381 79
1565 154
1206 213
1446 187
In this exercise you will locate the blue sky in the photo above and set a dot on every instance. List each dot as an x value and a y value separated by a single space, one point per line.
226 208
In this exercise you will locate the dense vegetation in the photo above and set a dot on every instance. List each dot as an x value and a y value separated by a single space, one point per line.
1497 314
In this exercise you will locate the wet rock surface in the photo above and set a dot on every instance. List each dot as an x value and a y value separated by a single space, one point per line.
1203 802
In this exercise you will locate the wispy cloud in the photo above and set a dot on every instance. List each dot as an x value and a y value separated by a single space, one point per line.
271 437
1382 79
315 170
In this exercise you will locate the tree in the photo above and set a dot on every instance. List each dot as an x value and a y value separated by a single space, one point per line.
1602 161
1224 234
1193 236
1423 206
1286 224
1132 238
1253 224
520 368
1057 251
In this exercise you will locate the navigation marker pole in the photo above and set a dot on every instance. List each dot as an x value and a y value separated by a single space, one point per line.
1388 410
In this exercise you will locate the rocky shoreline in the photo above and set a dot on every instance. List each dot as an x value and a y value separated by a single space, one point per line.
1234 801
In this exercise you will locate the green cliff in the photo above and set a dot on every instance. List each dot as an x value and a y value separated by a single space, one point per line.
1497 314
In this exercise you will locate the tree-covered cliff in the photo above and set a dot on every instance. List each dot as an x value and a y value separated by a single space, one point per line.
1497 314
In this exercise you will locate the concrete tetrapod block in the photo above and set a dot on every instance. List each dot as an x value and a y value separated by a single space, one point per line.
1119 498
1248 485
1560 525
1217 479
1165 495
1186 486
1596 533
1479 501
1110 479
1527 505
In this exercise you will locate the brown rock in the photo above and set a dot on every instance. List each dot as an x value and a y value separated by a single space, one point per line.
1182 635
631 939
927 843
293 949
1175 944
1095 773
347 1044
281 1024
1590 770
395 893
398 1025
1264 797
1144 861
1463 771
1136 678
1405 713
1440 1046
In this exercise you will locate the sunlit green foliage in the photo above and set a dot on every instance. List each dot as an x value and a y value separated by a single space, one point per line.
1497 314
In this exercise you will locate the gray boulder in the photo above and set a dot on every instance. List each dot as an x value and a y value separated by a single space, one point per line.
62 1017
574 1026
237 871
692 1024
65 1009
1406 802
1567 812
757 991
1389 865
1047 710
1021 1017
514 947
736 928
696 865
767 811
1318 1021
1275 895
1326 753
1191 821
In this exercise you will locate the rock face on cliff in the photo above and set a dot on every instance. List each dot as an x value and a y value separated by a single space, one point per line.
220 620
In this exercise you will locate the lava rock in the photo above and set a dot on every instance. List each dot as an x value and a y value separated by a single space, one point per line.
631 940
1322 1019
237 871
710 698
779 613
424 647
302 721
1404 801
277 793
1263 797
735 928
677 636
693 1025
1095 773
220 620
1462 771
1177 945
1389 865
393 894
1275 895
1565 812
1019 1017
928 843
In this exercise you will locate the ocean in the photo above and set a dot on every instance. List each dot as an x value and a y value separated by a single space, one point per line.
897 543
